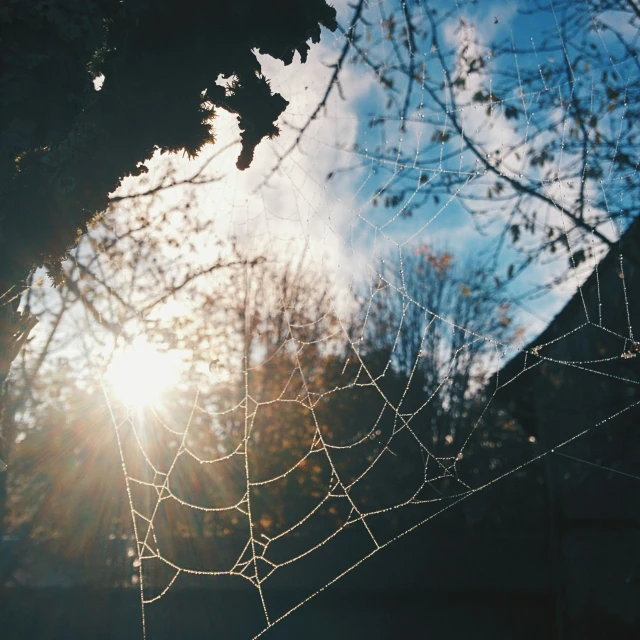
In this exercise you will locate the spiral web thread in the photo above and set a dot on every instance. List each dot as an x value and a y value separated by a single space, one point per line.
408 155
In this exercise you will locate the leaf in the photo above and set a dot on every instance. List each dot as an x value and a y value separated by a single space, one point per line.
612 94
515 232
440 136
511 113
578 257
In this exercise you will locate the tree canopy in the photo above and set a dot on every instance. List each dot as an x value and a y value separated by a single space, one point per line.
64 146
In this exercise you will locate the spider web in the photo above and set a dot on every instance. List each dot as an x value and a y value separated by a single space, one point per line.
371 213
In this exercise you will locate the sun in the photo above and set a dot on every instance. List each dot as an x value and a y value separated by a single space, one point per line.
141 375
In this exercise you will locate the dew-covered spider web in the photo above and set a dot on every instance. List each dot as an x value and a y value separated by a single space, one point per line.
422 293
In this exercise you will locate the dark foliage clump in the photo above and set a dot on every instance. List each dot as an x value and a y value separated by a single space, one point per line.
65 146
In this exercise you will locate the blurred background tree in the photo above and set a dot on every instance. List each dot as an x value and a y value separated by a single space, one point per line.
381 401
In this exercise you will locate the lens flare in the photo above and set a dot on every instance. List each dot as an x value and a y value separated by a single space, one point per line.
141 375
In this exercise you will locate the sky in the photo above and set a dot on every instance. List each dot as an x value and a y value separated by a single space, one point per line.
324 201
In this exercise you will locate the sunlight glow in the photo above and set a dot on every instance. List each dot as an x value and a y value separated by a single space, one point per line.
141 375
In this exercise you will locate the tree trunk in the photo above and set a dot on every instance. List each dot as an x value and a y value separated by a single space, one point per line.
15 327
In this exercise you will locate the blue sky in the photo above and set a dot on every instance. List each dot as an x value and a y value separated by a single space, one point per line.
335 222
374 231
